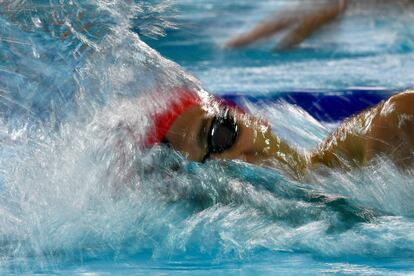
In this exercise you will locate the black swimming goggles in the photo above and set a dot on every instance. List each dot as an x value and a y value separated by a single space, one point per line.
222 135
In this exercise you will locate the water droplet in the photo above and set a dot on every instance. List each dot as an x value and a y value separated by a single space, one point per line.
35 52
37 22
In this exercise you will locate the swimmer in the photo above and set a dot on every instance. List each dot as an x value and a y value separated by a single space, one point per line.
301 23
304 21
213 129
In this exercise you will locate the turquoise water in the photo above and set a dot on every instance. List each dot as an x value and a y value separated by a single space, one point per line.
371 46
79 196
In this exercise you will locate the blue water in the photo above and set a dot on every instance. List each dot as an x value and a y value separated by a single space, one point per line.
371 46
78 196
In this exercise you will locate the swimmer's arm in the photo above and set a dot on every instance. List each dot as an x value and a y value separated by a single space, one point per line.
303 24
346 146
386 129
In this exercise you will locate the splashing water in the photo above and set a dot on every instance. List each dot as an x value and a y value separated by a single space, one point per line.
77 190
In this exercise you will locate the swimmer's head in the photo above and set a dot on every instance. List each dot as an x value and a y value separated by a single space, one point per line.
164 119
211 129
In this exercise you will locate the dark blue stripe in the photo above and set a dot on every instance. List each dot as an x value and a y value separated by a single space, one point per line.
330 106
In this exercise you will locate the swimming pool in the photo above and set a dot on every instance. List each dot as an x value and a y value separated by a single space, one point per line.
64 86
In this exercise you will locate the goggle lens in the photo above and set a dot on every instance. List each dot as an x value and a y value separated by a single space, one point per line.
223 134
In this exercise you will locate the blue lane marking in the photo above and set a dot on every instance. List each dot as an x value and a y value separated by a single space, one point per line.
331 106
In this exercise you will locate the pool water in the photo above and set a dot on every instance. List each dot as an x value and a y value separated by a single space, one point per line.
371 46
78 196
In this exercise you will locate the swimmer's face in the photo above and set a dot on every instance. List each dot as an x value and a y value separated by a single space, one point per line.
227 135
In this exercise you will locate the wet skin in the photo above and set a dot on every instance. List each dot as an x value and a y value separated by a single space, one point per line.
386 129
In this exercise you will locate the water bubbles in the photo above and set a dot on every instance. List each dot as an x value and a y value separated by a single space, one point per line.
37 22
35 52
